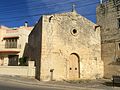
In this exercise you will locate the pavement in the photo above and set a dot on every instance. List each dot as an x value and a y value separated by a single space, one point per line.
99 84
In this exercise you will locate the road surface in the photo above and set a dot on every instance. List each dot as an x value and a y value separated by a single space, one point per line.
11 85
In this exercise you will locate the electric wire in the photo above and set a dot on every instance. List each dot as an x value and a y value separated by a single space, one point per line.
48 13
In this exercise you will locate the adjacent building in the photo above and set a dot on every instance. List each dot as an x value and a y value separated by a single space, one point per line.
12 44
66 46
108 17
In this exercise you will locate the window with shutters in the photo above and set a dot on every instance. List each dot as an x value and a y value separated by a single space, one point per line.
11 43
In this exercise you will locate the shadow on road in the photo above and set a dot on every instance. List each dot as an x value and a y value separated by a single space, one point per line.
111 84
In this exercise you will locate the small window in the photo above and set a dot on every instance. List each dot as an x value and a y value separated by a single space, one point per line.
11 43
118 22
74 31
118 46
118 8
70 68
50 18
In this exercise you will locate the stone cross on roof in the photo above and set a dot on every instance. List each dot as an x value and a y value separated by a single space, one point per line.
73 8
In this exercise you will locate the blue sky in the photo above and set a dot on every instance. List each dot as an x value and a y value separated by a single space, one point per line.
13 13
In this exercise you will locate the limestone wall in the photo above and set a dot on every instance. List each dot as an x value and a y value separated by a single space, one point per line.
56 37
25 71
110 34
59 41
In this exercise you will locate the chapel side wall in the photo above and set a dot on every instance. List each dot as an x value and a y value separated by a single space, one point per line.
35 45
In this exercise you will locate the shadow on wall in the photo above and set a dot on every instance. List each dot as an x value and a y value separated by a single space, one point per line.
33 48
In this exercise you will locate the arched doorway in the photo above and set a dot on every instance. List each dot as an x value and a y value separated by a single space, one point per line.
74 66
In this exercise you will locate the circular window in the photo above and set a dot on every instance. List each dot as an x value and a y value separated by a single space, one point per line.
74 32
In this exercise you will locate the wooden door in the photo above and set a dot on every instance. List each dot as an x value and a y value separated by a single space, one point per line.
73 67
13 60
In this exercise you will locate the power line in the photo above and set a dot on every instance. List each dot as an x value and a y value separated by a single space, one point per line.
45 13
38 15
40 6
18 4
23 3
21 19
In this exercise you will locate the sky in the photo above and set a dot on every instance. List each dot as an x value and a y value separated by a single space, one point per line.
13 13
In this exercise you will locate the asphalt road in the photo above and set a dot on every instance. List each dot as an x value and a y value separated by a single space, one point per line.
10 85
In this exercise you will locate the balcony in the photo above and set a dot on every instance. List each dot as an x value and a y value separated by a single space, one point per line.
9 50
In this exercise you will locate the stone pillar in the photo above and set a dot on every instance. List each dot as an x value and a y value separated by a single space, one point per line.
31 63
31 69
6 61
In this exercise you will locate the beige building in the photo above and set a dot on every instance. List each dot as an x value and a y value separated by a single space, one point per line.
66 46
12 44
108 17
